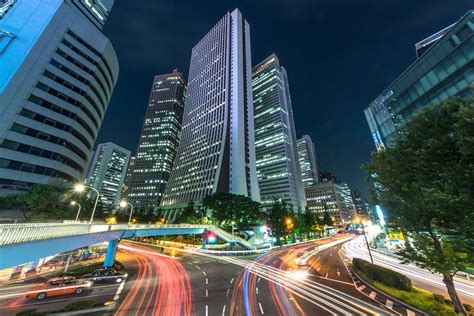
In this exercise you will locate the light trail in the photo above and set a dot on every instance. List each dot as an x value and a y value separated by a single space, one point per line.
357 248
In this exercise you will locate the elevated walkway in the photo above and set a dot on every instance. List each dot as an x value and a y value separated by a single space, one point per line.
21 243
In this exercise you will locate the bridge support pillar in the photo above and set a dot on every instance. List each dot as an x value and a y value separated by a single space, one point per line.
110 254
204 239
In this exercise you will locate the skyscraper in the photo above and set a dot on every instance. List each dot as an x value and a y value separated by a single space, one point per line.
107 172
57 74
216 152
278 169
158 141
443 70
330 197
308 161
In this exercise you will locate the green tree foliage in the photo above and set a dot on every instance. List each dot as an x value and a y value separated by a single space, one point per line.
327 220
278 216
190 215
227 208
426 184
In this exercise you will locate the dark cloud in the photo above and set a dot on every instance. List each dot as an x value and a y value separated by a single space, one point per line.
339 55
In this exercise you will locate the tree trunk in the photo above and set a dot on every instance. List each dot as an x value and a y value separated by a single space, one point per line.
448 281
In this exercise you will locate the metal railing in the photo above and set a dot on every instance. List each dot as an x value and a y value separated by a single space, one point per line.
21 233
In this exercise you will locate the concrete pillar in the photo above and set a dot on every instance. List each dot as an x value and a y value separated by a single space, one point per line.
204 239
110 254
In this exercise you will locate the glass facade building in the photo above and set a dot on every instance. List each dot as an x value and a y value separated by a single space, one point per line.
217 150
159 141
57 75
308 161
278 169
107 173
444 70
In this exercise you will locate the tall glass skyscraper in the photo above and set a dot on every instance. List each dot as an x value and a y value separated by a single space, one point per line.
278 169
107 173
308 161
444 69
217 149
159 141
57 74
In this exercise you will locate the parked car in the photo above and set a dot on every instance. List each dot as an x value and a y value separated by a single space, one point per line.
106 275
57 287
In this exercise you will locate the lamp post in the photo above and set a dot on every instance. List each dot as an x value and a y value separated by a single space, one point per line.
357 220
81 188
78 211
123 204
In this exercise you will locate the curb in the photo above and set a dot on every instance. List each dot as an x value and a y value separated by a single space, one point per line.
414 310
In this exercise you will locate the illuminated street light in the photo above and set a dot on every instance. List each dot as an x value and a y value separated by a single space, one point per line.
73 203
80 187
123 204
289 221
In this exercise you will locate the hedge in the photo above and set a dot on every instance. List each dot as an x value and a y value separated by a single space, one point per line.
79 305
382 275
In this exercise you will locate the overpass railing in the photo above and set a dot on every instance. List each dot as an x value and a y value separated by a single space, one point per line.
20 233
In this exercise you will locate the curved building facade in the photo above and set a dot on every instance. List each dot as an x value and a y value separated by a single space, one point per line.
58 75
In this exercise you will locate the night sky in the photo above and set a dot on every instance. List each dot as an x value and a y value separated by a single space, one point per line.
339 54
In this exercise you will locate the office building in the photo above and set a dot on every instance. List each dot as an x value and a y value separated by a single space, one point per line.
159 141
308 161
361 204
107 173
57 75
444 70
128 176
329 197
278 169
327 176
217 148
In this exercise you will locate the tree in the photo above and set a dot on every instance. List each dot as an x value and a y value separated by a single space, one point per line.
327 220
227 208
277 216
426 184
307 221
189 215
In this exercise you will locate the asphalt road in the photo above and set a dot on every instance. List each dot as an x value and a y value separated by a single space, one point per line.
420 278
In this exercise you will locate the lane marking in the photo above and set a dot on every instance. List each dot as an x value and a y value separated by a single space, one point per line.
207 281
256 289
360 288
373 294
207 293
203 272
258 281
261 309
389 304
232 281
207 310
227 294
223 311
410 313
198 267
327 274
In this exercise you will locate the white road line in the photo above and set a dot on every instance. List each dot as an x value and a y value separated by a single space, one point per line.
198 267
207 310
373 294
204 273
410 313
261 309
207 281
227 294
389 304
327 274
207 293
360 288
232 281
258 280
119 290
223 310
256 290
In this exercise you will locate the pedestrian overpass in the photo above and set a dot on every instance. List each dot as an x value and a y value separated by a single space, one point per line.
22 243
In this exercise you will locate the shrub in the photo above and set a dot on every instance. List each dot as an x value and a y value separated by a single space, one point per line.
76 306
382 275
438 298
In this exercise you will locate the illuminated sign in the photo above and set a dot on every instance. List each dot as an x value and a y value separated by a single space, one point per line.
379 212
381 101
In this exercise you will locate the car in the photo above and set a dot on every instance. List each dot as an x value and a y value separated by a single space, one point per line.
57 287
106 275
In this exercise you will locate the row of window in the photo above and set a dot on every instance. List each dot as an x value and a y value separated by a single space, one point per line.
27 167
35 151
48 138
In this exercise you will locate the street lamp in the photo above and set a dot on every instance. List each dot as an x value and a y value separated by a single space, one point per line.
78 211
81 188
367 243
123 204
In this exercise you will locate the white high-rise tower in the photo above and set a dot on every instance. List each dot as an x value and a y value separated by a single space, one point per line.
217 148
